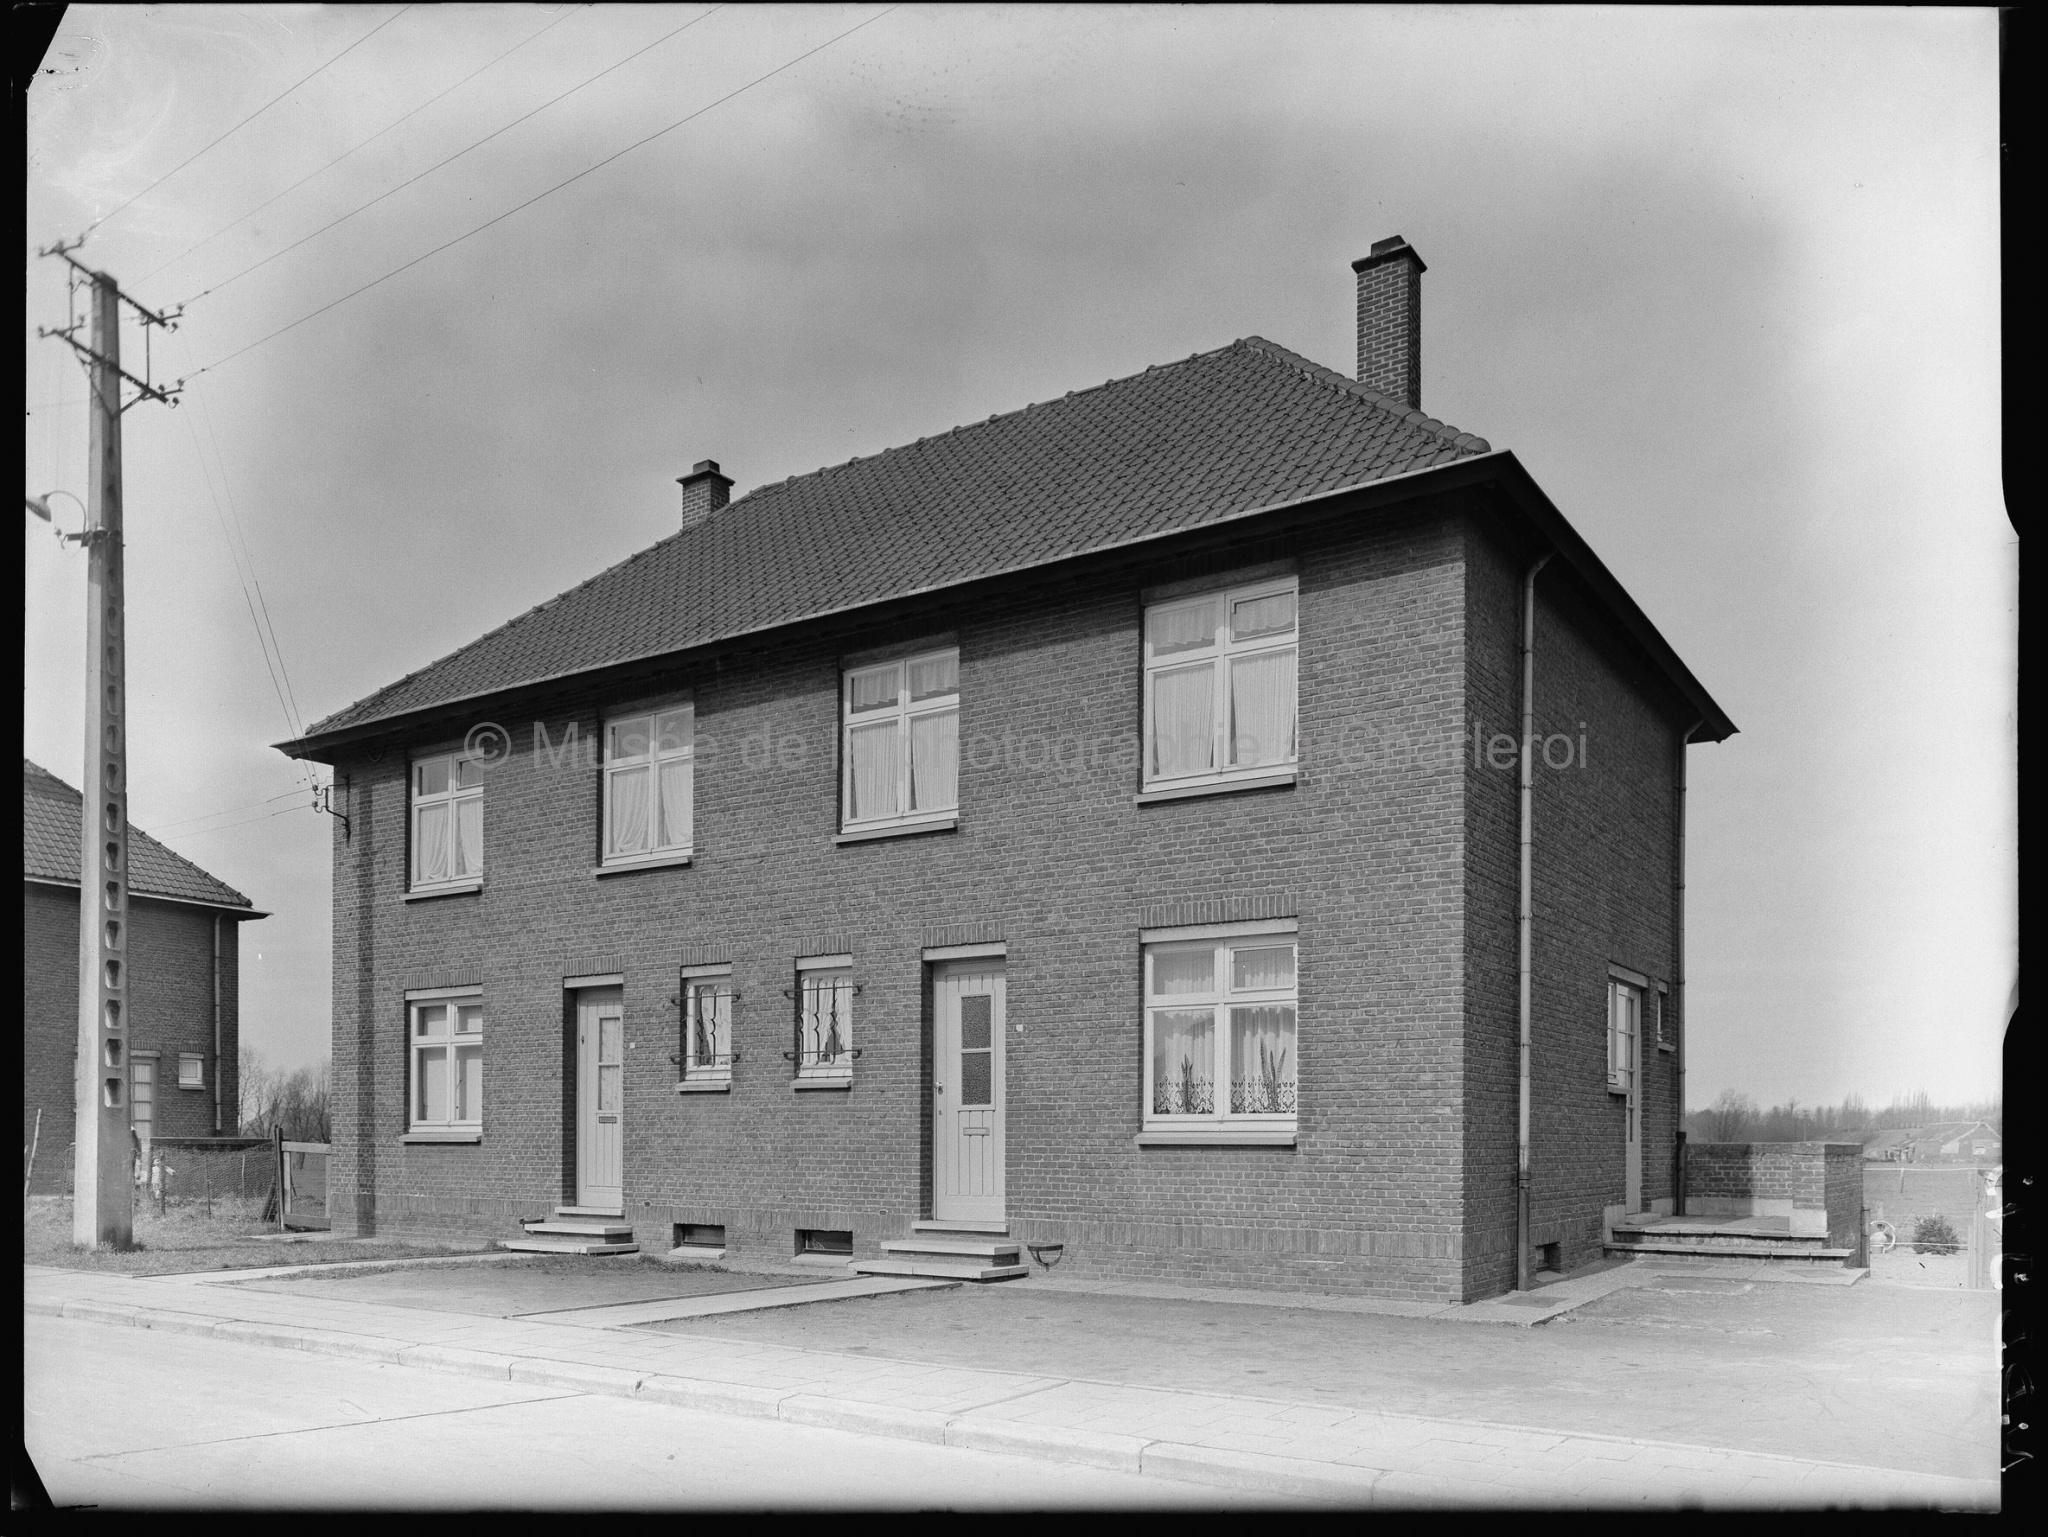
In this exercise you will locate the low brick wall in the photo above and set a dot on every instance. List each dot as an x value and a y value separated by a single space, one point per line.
1818 1185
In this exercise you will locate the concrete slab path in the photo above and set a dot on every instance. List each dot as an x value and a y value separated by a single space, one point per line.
1299 1450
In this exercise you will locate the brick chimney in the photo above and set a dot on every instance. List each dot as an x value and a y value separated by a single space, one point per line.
1390 320
704 492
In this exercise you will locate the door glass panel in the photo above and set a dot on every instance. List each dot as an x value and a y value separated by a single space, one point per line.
976 1022
976 1078
608 1088
609 1031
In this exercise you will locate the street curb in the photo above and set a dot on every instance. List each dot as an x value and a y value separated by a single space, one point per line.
713 1397
101 1312
455 1358
614 1381
1052 1443
866 1419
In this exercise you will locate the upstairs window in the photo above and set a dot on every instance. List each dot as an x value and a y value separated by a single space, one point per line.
1220 1032
1220 685
1624 1034
648 765
900 742
447 821
824 1049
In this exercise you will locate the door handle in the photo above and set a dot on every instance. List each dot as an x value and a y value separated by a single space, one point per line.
938 1088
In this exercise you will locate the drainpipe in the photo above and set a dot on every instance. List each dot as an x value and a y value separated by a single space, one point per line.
1523 935
216 1024
1678 955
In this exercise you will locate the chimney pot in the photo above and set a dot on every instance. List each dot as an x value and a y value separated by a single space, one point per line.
1390 320
704 492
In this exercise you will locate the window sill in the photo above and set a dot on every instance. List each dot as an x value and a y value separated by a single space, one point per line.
667 861
456 889
705 1086
1265 781
943 824
805 1085
450 1134
1220 1136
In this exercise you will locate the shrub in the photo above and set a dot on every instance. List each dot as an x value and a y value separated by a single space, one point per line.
1934 1235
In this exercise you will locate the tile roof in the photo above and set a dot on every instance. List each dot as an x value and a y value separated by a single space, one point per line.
49 847
1180 445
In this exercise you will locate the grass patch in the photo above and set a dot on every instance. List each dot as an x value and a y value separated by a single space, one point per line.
185 1237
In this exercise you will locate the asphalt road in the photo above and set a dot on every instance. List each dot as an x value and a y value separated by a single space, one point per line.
136 1418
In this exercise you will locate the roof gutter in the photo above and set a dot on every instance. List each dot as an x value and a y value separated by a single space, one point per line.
1499 468
228 909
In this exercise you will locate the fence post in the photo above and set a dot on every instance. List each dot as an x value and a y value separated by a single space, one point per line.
283 1174
1862 1257
1980 1270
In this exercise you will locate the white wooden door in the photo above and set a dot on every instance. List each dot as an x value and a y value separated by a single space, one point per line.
967 1092
600 1098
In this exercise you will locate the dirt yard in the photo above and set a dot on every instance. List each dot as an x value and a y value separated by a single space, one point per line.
186 1238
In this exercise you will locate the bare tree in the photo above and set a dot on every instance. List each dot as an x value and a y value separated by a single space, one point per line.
296 1102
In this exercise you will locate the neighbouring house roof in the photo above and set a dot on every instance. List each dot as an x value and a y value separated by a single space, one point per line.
1930 1140
1245 428
50 811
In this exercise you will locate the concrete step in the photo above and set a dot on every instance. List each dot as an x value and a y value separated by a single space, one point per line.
1746 1251
1675 1233
554 1245
589 1211
993 1251
987 1228
592 1232
941 1270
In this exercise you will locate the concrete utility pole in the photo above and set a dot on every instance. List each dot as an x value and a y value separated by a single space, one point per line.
102 1201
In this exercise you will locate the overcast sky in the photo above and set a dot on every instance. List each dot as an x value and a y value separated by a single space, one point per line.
1725 280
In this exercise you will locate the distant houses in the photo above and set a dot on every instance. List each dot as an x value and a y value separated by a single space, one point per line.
1948 1142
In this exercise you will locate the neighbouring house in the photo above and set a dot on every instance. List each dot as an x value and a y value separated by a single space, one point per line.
184 951
1098 826
1948 1142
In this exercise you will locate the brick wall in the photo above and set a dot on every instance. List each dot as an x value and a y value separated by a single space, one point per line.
1603 833
1815 1182
170 1011
1366 851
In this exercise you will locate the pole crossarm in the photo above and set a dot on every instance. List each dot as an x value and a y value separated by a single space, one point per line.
166 394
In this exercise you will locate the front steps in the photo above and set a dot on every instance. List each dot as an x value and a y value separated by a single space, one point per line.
1705 1240
574 1230
950 1251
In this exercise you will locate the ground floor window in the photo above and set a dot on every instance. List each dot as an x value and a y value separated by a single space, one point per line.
447 1062
707 1055
1220 1042
825 994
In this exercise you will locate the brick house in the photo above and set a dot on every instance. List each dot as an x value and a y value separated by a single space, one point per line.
184 938
1098 826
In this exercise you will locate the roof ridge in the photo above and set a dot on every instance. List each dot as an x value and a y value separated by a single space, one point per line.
1032 405
1410 415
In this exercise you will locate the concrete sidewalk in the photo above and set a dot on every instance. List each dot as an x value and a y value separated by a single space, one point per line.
1319 1451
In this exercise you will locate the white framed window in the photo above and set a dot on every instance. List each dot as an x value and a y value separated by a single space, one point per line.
1624 1033
900 741
142 1097
1220 685
447 821
648 770
1660 1010
191 1070
707 1055
824 1029
1220 1045
446 1054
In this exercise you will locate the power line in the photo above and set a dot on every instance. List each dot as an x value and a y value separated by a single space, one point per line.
430 170
366 143
280 96
230 826
298 721
269 800
207 474
557 187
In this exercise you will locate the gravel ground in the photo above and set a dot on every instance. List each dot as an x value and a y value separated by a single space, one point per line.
185 1238
528 1283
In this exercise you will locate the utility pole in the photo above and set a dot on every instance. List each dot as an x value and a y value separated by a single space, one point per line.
103 1196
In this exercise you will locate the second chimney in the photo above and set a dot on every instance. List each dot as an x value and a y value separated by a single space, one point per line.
1390 320
704 492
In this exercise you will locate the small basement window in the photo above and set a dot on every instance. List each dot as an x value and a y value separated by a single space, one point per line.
822 1240
1544 1257
700 1235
